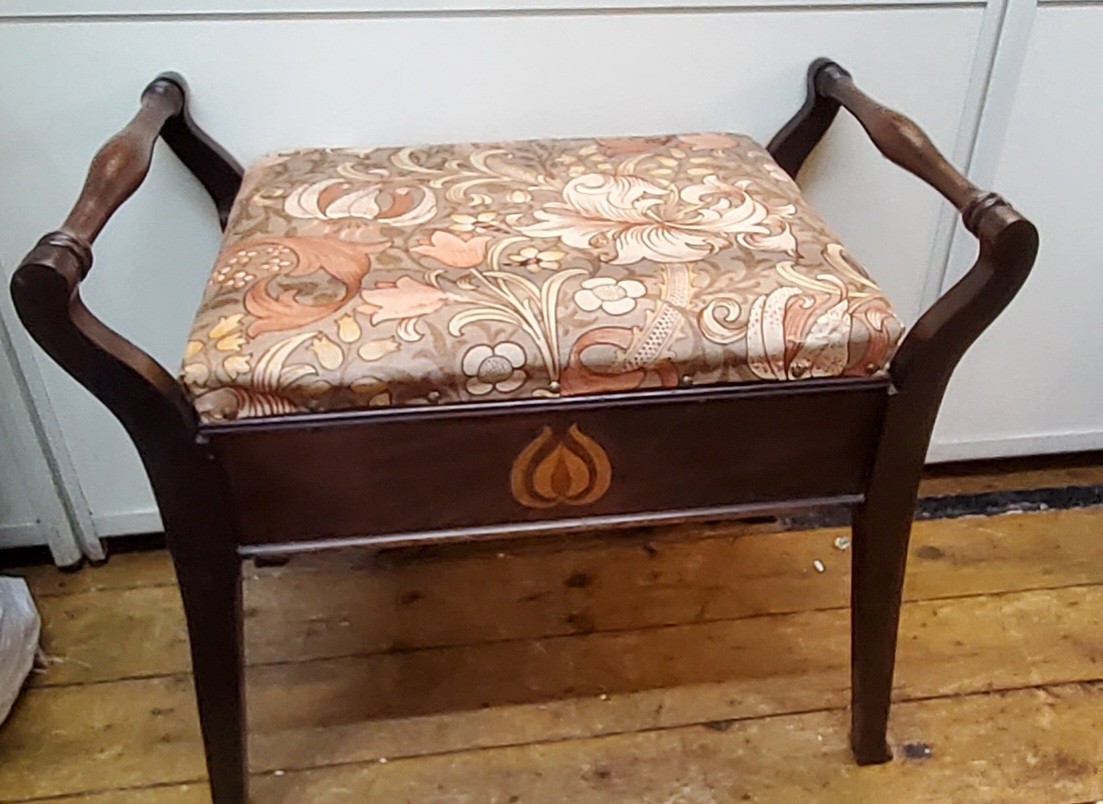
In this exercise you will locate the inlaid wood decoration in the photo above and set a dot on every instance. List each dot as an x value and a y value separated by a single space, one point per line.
560 469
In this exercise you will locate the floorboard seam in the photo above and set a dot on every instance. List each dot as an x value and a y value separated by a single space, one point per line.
104 590
105 790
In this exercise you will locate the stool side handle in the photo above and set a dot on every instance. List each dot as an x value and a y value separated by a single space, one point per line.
795 140
896 136
121 165
141 393
218 172
1008 242
1008 247
127 380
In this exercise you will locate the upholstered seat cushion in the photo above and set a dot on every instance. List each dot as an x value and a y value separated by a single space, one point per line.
356 278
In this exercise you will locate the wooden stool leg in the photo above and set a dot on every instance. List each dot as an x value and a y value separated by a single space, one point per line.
211 589
881 528
879 544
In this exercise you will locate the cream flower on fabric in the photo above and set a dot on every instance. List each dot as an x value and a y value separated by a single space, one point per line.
473 223
498 368
614 297
533 259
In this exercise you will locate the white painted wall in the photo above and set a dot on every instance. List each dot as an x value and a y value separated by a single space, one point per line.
282 73
1031 383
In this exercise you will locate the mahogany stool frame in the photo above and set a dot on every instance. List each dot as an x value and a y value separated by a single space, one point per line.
412 475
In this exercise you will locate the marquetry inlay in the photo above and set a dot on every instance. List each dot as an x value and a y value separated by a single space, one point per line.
560 469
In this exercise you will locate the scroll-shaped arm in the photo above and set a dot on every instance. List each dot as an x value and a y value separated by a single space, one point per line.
148 401
1008 242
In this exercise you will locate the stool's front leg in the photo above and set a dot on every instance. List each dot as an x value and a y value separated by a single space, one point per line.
153 408
210 587
881 529
920 372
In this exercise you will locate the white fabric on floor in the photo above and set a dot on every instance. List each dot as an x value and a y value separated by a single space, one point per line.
19 630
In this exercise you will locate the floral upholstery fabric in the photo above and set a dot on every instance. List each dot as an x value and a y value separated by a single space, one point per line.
356 278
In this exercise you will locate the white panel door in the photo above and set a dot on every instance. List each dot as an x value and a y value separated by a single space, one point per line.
264 82
1033 381
18 522
35 507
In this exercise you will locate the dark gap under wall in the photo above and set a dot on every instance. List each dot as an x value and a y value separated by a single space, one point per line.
952 506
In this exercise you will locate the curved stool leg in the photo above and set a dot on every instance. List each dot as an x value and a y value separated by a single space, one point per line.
881 529
210 586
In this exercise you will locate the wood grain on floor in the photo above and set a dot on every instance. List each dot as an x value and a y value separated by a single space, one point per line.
652 668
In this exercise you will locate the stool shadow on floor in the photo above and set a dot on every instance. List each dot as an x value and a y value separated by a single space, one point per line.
360 636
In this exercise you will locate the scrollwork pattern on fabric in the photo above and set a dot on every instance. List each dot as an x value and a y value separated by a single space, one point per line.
357 278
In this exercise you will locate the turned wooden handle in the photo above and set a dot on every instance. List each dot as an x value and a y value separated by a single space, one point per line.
897 137
1008 242
45 286
121 165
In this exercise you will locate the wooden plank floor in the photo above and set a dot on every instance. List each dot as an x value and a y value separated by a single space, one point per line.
659 668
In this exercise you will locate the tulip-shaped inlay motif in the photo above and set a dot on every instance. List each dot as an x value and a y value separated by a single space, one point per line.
560 469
